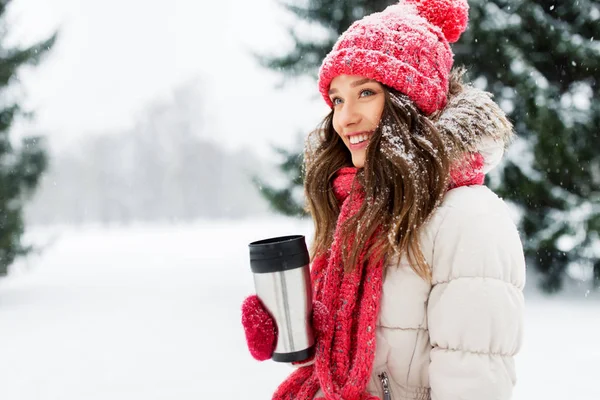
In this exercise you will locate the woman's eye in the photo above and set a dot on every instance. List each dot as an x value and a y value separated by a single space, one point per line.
336 100
366 92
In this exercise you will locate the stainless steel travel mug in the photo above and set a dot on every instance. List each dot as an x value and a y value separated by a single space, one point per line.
282 281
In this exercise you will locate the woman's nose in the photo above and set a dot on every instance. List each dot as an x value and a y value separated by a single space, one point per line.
349 115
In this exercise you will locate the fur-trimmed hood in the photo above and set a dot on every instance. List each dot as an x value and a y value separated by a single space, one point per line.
473 122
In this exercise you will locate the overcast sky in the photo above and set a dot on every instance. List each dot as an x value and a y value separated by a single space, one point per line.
113 57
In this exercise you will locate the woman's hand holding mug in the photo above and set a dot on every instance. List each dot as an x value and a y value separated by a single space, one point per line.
261 330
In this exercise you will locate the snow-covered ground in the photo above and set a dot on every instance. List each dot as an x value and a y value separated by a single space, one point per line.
152 312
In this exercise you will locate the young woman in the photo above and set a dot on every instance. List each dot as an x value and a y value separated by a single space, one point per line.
417 268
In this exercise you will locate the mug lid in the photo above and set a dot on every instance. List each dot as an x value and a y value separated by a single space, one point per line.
281 246
278 254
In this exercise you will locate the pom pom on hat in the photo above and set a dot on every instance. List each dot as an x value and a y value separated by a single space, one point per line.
405 47
451 16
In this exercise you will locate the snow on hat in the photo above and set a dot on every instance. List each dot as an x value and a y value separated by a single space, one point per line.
404 47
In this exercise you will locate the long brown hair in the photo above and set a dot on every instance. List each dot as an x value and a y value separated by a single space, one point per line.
405 176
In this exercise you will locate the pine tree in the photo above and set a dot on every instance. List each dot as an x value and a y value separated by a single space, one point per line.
286 200
541 60
20 166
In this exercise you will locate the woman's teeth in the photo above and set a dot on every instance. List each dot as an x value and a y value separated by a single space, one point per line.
358 138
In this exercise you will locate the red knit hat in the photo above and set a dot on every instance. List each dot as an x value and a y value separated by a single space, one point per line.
404 47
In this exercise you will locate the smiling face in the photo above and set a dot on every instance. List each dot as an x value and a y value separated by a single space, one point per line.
357 107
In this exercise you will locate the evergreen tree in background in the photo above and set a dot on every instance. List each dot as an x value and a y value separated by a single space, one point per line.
288 199
541 60
21 167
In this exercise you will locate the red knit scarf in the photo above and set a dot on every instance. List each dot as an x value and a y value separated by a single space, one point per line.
345 351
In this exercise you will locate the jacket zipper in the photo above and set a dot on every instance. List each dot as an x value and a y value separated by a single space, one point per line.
385 384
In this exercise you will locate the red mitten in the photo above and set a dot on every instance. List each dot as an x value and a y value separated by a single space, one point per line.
260 328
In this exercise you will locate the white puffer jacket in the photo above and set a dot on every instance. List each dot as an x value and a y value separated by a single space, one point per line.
455 338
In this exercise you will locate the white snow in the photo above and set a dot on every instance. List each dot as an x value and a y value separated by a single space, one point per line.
152 312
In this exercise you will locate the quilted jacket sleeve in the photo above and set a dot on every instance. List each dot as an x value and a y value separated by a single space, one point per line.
475 308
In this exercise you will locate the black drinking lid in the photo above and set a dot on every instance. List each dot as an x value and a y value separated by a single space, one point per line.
278 254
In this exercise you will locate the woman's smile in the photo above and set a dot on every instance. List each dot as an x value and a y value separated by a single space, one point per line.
358 141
